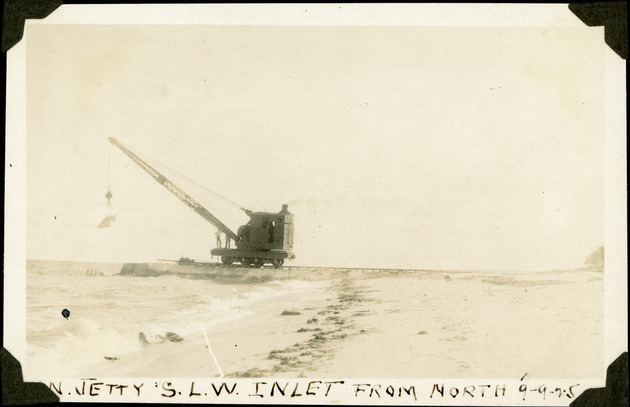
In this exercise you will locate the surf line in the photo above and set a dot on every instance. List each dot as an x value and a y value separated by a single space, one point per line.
216 362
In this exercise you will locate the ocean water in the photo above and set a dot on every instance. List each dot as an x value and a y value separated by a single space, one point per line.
112 315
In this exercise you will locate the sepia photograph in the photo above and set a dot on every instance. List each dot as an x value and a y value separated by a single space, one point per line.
241 200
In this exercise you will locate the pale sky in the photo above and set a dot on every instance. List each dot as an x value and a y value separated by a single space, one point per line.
410 147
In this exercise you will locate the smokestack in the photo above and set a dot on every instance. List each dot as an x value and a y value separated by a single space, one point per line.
285 208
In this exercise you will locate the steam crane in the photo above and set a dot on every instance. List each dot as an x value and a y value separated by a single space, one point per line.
266 238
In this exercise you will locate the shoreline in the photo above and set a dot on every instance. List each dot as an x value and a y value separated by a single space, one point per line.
448 325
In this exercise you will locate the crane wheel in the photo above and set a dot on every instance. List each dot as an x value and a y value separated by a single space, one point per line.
277 262
245 261
227 260
258 263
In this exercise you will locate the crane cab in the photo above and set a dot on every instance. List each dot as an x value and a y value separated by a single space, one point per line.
266 238
267 231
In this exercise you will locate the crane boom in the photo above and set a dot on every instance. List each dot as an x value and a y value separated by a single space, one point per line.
175 190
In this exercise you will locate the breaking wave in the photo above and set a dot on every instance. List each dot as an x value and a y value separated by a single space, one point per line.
112 316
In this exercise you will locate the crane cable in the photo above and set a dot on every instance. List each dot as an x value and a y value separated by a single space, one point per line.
109 194
216 194
200 189
184 178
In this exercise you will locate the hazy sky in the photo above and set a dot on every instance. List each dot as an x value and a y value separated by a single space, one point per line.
393 146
